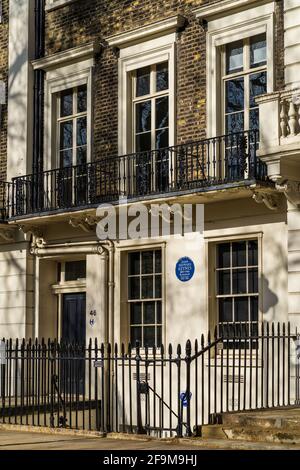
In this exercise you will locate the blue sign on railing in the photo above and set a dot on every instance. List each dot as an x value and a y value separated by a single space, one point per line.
184 399
185 269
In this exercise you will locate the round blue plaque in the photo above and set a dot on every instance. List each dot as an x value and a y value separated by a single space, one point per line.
185 269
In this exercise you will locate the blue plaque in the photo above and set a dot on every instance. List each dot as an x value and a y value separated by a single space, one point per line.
184 398
185 269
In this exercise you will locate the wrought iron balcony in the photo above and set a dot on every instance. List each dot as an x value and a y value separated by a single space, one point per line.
182 168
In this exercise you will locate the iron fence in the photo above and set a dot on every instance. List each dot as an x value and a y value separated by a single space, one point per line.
194 165
154 391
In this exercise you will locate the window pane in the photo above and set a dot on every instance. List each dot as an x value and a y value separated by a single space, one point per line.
147 287
157 287
253 281
162 77
82 99
134 263
143 142
254 119
143 81
241 312
158 261
81 132
159 337
158 313
149 313
224 255
254 308
66 159
234 123
134 288
238 254
162 112
225 310
239 283
143 116
149 336
136 313
258 86
258 51
252 253
66 103
162 139
75 270
81 156
135 335
234 57
66 135
147 262
234 95
224 282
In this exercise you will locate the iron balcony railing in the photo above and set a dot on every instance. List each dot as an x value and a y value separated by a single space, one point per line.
190 166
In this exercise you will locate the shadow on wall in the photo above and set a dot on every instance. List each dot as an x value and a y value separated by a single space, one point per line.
270 300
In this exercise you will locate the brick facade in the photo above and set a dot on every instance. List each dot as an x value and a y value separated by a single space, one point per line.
3 76
83 21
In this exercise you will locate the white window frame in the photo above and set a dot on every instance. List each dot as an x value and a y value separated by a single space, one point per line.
230 28
148 53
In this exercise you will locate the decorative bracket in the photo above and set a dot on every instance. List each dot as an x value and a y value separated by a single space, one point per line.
81 222
291 190
37 235
7 234
269 200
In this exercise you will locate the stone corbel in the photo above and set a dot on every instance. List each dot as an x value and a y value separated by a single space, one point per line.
38 240
81 222
291 190
269 200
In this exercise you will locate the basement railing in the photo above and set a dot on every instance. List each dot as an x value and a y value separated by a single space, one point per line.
187 167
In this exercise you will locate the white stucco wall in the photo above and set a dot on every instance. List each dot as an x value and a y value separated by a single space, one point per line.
292 43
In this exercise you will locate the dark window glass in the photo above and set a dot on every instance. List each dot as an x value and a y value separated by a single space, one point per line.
225 310
235 95
134 263
149 313
147 287
252 253
82 99
136 335
234 123
258 86
147 262
66 159
162 138
66 103
75 270
136 313
158 262
143 142
224 255
239 281
239 254
241 311
149 336
162 112
143 116
162 77
81 131
253 280
143 81
224 282
258 51
158 312
66 135
254 119
134 288
254 308
157 287
81 156
159 337
234 57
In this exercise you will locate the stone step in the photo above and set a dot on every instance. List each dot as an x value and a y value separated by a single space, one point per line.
251 433
286 419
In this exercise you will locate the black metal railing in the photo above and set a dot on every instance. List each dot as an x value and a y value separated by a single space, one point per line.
173 390
195 165
5 200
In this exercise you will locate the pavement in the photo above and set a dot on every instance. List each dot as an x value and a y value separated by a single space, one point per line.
18 440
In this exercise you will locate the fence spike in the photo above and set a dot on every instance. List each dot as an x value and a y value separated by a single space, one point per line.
196 346
283 329
123 349
188 348
116 349
162 350
273 328
216 333
202 341
179 350
170 349
209 339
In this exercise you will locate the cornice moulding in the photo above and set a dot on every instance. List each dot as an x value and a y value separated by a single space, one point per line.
166 26
218 9
75 54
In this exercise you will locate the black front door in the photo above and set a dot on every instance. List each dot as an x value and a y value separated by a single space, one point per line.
73 337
